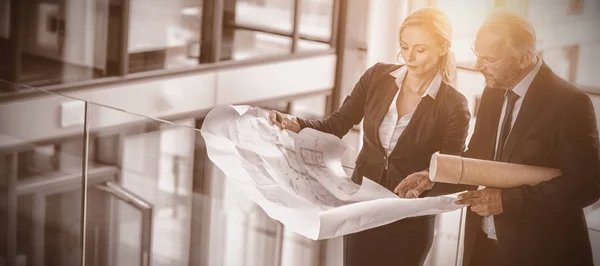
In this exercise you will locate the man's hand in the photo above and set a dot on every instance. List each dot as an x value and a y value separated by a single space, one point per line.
485 202
413 185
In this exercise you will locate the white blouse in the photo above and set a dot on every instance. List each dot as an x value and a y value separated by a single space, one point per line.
391 127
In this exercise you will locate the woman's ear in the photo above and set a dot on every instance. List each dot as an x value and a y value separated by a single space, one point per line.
445 48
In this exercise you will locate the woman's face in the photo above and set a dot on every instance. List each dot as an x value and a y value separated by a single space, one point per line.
420 50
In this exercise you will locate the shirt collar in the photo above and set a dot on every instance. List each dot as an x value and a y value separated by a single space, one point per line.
433 88
523 86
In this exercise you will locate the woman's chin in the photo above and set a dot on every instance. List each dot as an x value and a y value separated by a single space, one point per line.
412 68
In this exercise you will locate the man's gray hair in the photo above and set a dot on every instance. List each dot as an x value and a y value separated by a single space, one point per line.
519 30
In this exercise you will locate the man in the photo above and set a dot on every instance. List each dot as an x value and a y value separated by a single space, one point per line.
530 116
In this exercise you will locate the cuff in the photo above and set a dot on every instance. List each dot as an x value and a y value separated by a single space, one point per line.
303 122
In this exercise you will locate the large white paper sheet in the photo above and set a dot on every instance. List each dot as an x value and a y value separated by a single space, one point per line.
298 179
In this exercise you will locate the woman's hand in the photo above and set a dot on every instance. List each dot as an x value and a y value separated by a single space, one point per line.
284 121
413 185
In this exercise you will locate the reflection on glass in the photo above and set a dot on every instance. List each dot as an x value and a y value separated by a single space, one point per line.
66 41
40 185
298 250
240 233
256 28
129 224
274 15
164 34
445 241
316 18
155 184
304 45
249 44
52 224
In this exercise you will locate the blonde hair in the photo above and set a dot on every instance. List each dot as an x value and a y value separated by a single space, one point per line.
520 32
436 21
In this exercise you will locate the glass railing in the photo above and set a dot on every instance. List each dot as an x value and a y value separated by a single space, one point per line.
168 205
151 194
41 181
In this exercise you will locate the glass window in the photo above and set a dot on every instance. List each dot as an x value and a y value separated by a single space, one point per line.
40 189
310 45
70 40
249 44
275 15
66 41
164 34
316 19
256 28
39 161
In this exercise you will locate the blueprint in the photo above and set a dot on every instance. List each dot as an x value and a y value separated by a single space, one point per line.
298 179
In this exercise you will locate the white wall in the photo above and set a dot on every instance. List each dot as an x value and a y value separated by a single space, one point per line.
274 80
587 70
555 27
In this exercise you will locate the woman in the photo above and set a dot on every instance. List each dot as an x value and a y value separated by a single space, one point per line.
410 111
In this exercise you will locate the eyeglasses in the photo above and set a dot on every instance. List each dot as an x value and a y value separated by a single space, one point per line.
486 62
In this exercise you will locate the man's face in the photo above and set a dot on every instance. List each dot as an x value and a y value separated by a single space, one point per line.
496 60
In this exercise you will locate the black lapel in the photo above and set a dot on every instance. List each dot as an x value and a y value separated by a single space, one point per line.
488 119
529 109
388 92
425 106
425 112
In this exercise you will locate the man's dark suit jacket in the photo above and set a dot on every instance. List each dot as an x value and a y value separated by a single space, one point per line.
556 128
439 124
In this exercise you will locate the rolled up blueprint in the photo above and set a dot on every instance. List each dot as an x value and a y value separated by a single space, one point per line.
458 170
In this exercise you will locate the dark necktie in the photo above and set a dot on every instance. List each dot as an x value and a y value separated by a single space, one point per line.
506 122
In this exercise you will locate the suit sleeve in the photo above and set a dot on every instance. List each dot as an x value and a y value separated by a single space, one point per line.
577 156
457 129
454 139
350 113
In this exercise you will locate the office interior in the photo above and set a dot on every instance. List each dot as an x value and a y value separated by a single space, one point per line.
117 90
